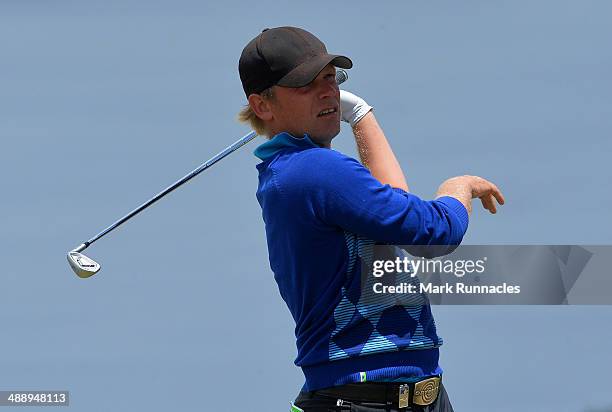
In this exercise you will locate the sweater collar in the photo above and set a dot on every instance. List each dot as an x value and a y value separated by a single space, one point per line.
280 142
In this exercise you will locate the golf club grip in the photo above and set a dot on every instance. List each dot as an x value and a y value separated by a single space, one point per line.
341 76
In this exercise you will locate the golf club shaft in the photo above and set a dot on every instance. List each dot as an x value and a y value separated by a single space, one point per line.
232 148
341 77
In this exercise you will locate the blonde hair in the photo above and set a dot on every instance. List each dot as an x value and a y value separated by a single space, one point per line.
247 115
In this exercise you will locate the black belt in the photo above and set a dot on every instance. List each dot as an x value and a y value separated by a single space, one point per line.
401 395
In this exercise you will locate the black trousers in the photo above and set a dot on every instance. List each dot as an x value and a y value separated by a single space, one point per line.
315 402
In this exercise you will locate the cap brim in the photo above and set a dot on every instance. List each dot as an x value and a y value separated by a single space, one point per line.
309 70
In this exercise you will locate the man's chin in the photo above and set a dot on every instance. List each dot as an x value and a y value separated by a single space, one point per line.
324 139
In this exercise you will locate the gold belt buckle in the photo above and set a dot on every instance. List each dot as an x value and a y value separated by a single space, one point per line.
426 391
404 395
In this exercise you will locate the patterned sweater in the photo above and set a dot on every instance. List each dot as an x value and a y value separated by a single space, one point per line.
324 213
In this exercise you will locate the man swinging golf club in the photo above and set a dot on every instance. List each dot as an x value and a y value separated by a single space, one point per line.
323 211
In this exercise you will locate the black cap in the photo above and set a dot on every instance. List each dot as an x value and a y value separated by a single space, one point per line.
284 56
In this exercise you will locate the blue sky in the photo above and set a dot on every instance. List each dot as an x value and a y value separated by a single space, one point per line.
104 104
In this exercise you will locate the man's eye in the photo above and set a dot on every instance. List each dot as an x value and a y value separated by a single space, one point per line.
304 89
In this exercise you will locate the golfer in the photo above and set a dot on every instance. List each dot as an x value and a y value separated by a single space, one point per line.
324 211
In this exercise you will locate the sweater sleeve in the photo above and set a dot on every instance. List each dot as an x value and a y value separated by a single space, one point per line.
343 193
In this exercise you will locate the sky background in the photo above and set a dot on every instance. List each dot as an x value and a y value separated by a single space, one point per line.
103 104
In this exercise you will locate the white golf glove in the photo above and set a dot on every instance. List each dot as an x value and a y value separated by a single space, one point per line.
352 107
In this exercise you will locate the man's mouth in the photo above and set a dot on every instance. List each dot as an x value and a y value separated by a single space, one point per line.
327 112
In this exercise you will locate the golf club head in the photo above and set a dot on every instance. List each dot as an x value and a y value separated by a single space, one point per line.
83 266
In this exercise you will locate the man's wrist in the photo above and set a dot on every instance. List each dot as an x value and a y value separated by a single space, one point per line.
360 114
459 188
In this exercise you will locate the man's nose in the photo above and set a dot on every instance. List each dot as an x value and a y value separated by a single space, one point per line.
327 89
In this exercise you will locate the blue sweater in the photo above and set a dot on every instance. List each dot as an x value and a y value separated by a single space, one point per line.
323 213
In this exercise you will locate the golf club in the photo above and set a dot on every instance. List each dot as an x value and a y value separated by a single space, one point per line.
85 267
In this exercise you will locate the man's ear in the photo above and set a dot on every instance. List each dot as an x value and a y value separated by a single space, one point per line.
261 107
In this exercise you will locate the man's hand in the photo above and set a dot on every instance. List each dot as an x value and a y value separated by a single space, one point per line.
352 107
466 188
